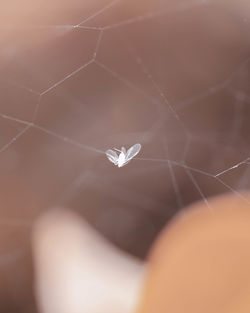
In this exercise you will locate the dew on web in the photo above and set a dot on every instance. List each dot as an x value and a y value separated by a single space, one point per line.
81 80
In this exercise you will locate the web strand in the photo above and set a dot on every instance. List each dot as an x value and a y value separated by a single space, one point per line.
175 185
67 77
197 186
226 85
108 6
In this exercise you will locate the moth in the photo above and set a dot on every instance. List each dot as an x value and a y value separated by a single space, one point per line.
124 156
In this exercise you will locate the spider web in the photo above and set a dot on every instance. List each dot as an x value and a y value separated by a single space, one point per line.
172 76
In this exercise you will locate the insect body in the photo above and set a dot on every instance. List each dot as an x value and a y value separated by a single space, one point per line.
124 156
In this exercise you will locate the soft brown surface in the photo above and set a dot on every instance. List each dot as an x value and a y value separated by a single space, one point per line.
200 263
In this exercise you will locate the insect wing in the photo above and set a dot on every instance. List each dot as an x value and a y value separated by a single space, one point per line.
112 156
121 159
133 151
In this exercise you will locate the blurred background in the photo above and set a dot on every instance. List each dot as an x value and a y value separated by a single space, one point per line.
81 77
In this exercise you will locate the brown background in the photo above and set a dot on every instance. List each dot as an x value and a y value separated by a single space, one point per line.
196 55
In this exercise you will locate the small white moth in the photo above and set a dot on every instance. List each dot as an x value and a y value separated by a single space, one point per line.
124 156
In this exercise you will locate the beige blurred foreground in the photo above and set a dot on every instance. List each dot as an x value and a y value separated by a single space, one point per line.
200 263
78 271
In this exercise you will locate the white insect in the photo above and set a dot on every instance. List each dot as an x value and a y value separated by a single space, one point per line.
124 156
